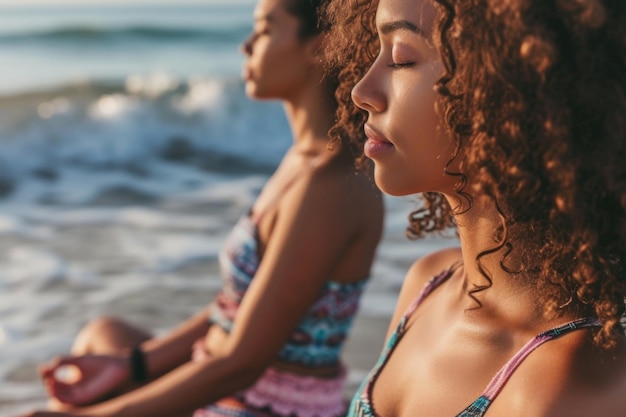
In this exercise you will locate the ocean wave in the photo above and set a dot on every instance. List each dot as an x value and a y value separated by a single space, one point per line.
93 34
208 124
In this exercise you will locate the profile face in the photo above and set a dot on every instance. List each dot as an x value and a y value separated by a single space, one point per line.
278 61
405 140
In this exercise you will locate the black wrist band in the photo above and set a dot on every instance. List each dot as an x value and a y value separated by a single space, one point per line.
138 371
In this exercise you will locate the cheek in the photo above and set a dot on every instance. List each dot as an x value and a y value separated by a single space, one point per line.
415 112
423 150
265 49
264 54
280 59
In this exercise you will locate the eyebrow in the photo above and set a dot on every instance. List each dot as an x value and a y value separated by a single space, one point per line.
389 27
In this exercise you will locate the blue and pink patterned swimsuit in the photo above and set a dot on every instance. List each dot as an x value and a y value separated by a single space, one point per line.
317 340
362 406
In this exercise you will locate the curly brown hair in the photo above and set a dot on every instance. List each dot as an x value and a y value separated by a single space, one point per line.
352 49
348 59
534 95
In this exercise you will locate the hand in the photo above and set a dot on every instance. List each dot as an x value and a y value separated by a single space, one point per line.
47 414
96 377
198 350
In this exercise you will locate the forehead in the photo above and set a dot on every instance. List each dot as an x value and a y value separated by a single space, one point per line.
265 8
421 13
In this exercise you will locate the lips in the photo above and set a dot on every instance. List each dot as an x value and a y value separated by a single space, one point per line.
246 73
376 144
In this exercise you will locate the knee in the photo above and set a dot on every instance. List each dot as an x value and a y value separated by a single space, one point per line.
100 336
102 326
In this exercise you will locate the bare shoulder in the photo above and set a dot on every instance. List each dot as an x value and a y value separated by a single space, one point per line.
567 377
429 266
422 271
344 179
327 202
342 193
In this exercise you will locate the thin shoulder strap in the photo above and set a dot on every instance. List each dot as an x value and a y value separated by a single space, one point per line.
480 406
430 286
500 379
399 331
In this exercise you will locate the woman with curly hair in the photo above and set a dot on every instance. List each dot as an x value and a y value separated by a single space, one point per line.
509 116
293 269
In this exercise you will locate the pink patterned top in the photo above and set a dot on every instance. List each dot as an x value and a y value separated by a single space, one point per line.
362 406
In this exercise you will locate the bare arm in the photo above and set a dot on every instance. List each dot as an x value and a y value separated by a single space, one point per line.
306 243
103 372
166 353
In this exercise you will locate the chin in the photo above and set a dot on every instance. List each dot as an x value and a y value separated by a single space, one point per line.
251 90
391 186
255 93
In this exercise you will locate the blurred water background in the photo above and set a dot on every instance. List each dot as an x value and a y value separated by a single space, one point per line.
128 149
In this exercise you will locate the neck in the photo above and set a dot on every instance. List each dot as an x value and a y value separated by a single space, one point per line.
507 297
310 117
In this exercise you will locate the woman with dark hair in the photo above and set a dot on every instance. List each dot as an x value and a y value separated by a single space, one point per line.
509 117
294 268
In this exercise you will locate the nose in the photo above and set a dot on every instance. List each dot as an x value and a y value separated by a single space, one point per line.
246 45
368 93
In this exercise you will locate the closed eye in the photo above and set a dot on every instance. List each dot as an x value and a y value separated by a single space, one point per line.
400 65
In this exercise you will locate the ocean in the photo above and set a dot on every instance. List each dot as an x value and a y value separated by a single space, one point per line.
128 149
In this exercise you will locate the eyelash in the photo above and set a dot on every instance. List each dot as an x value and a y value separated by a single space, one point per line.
401 65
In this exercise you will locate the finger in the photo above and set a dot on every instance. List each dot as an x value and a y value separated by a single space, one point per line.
46 371
63 393
50 386
53 365
72 394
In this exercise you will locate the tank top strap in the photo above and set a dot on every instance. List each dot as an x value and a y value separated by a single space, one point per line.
256 217
500 379
430 286
479 407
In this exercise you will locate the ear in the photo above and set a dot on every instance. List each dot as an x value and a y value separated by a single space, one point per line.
313 47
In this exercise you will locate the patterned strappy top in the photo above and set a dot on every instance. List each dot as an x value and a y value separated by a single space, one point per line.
319 337
362 406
